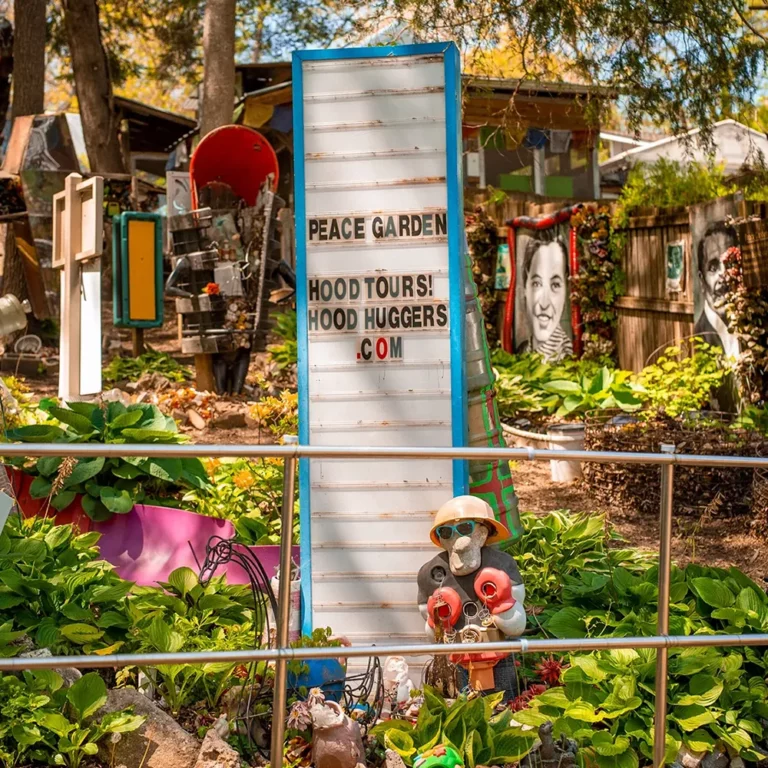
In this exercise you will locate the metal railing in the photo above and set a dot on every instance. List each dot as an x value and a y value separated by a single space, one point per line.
667 461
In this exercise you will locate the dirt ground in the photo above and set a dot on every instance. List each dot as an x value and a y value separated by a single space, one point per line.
715 542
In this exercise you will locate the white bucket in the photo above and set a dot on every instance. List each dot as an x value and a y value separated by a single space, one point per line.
294 623
566 437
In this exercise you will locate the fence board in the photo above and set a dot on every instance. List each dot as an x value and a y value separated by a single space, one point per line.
648 317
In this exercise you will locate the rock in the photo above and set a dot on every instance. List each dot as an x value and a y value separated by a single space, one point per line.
195 419
179 415
232 420
715 760
161 739
393 760
737 762
689 759
216 753
69 675
221 726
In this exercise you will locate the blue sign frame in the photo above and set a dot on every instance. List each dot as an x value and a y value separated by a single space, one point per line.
456 269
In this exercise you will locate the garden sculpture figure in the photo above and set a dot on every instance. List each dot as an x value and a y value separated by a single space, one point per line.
472 592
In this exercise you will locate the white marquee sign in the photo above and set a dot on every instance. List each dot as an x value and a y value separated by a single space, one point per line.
379 226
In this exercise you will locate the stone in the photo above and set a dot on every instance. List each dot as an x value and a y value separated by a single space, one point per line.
232 420
737 762
196 420
715 760
216 753
336 739
179 415
393 760
160 742
70 675
689 759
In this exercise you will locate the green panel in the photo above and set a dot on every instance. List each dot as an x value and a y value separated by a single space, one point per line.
511 182
117 304
558 186
492 137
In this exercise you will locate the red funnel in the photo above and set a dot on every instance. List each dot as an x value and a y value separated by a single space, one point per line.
234 155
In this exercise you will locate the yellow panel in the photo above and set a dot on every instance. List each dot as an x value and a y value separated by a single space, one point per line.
257 114
141 270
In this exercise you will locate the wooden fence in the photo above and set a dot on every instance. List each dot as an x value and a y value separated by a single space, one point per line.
649 318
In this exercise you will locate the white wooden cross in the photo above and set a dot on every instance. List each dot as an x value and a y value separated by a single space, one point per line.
78 222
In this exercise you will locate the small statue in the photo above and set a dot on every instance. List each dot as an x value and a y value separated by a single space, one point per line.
337 741
471 592
440 756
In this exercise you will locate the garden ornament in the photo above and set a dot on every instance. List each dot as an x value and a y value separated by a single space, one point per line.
471 592
440 756
337 741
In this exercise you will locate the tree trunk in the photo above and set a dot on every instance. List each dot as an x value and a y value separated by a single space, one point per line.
219 65
93 86
29 58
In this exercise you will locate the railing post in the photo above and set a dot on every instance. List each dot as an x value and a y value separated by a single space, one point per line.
280 693
665 563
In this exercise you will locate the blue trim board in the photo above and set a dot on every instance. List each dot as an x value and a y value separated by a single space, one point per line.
305 538
456 270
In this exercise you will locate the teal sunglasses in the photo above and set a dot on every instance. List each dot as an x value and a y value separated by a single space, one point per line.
464 528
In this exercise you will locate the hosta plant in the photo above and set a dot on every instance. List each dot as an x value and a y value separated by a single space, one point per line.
108 486
470 725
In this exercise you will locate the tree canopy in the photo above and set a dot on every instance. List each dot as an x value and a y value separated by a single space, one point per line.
676 63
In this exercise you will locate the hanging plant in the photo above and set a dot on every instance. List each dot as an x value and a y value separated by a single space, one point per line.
599 281
483 245
747 313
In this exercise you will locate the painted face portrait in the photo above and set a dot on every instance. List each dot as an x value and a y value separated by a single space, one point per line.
715 248
545 291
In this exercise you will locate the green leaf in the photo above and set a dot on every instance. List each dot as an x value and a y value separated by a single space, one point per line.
95 509
47 634
48 465
87 695
692 717
562 387
606 745
62 500
58 535
25 734
699 741
567 623
627 759
81 424
511 747
84 470
433 701
119 502
214 603
590 668
53 721
581 710
713 592
401 742
704 690
127 471
36 433
47 680
734 616
81 633
40 488
111 593
163 638
455 733
164 469
183 580
125 420
749 601
84 409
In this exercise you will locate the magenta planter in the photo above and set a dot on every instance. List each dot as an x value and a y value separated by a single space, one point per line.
149 542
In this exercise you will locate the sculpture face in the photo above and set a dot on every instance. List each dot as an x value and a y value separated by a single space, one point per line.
464 555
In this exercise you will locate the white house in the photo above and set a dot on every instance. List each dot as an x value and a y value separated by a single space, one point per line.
734 146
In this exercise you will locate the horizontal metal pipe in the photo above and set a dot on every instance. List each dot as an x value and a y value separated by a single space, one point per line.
520 645
363 452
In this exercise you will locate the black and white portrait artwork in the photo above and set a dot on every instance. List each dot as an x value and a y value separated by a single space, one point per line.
542 304
712 237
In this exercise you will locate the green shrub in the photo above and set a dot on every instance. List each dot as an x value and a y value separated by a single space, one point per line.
112 485
133 368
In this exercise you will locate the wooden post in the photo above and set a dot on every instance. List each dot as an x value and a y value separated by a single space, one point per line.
77 245
137 337
204 381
